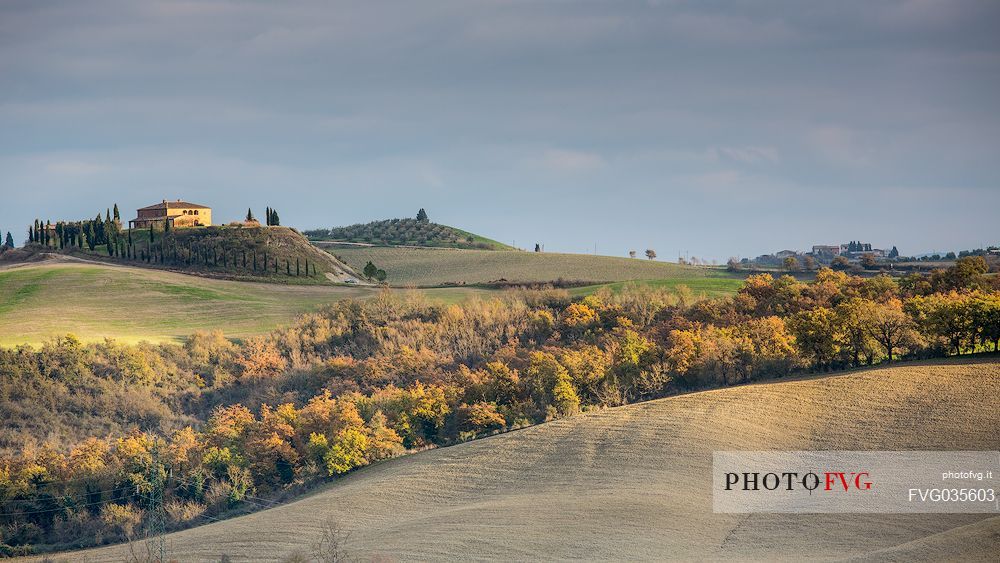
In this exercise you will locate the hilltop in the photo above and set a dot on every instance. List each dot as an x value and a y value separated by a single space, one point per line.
406 232
634 482
273 254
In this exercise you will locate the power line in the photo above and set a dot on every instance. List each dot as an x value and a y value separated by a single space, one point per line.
29 512
156 525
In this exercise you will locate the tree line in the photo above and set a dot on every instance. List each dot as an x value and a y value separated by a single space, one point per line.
226 424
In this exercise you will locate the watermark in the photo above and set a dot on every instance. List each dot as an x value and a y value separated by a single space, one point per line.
861 482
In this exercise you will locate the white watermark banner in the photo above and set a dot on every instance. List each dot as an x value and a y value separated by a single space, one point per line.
843 481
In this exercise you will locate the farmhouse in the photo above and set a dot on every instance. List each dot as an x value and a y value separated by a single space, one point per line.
178 213
826 250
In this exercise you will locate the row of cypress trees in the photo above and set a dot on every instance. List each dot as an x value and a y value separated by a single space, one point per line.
106 233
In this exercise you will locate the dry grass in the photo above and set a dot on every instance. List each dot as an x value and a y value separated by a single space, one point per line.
633 483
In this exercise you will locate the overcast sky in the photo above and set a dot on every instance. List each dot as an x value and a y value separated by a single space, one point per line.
715 128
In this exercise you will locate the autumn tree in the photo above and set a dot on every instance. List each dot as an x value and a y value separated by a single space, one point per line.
816 334
260 358
890 326
551 384
948 316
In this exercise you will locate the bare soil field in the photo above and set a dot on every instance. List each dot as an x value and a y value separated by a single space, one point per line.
633 483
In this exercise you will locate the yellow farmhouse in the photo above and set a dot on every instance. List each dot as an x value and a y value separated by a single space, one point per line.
178 213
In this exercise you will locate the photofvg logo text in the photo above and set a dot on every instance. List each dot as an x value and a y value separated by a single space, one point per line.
847 481
827 481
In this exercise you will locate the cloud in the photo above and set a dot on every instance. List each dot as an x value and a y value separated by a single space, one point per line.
348 111
840 145
747 154
731 29
570 161
70 167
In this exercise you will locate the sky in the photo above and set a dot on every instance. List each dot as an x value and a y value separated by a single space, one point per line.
711 129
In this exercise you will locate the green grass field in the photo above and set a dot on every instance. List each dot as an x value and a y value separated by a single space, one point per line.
95 301
433 267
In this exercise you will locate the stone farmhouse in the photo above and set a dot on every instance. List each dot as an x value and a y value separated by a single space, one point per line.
179 214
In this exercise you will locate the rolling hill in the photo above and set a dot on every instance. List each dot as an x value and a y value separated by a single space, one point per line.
406 232
272 254
633 483
439 266
49 298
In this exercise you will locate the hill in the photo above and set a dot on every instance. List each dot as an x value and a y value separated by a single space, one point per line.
634 482
273 254
50 298
432 267
406 232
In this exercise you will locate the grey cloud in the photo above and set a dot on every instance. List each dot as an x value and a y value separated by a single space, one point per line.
634 119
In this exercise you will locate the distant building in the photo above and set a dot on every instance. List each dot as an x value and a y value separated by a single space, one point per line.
855 247
781 254
826 250
178 213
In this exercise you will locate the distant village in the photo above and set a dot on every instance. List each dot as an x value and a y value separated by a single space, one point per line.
850 255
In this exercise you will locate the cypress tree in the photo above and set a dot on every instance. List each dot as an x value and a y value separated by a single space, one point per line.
297 272
307 266
10 240
118 217
31 234
150 232
99 230
250 215
288 267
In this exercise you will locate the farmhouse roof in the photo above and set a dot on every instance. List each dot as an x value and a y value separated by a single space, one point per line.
174 205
